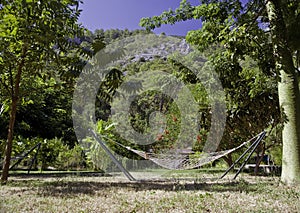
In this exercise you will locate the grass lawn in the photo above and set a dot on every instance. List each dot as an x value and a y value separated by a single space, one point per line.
172 192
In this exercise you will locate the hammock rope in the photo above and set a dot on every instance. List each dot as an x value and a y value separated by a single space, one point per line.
182 161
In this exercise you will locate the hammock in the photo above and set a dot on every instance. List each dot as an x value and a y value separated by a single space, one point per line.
182 161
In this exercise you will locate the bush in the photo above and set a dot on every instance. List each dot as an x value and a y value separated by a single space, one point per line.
52 153
71 158
97 159
50 149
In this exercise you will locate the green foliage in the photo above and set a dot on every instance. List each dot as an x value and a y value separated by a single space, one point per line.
45 108
49 152
37 42
144 105
46 114
38 32
52 153
70 159
108 36
235 40
22 145
97 159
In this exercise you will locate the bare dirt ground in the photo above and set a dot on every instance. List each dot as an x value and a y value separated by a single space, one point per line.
152 192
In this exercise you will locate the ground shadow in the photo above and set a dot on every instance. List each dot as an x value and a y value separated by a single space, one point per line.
63 187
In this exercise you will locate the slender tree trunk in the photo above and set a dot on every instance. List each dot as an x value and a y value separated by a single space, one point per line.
260 156
289 97
8 148
228 159
12 119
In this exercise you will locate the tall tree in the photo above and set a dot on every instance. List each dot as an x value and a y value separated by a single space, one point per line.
35 39
265 30
288 89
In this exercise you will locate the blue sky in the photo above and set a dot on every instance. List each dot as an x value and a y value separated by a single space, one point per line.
121 14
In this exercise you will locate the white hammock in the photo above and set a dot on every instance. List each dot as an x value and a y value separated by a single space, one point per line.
177 160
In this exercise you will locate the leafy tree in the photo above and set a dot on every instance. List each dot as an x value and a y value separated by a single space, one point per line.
267 31
36 39
47 115
45 109
144 105
114 34
241 118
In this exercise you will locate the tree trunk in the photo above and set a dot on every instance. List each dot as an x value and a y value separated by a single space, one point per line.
8 147
289 97
228 159
12 119
260 155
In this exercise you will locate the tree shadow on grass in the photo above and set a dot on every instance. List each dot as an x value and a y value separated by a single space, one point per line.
75 187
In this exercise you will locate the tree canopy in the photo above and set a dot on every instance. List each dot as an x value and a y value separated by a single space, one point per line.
37 38
266 31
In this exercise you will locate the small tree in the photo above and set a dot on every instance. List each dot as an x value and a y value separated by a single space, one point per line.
35 37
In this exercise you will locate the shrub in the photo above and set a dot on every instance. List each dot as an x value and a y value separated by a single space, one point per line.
71 158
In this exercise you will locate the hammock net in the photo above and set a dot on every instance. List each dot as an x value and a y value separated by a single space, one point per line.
179 160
